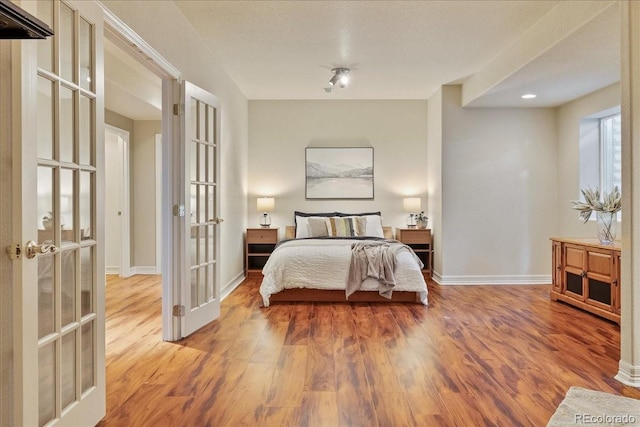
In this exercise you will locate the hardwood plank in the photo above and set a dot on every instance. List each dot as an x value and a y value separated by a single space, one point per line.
249 392
478 355
381 373
299 323
288 379
319 409
321 373
393 409
278 417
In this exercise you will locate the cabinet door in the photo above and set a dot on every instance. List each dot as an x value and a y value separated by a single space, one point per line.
556 262
600 279
574 271
616 284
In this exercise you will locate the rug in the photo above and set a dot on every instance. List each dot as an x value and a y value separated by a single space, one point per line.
582 407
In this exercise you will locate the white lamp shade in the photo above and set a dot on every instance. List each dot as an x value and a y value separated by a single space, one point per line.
411 204
266 204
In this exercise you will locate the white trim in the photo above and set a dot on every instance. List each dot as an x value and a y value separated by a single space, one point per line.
541 279
129 41
171 284
158 181
628 374
125 239
112 270
143 269
226 290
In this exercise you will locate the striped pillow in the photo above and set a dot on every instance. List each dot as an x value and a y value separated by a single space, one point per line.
347 227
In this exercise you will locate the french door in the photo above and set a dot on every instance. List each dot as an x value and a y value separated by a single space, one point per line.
200 245
58 215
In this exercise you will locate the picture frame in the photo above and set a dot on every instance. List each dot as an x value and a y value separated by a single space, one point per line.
339 173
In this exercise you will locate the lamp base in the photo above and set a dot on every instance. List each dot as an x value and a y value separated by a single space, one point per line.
411 226
265 220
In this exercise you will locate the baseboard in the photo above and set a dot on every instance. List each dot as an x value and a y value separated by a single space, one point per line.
229 287
145 269
112 270
628 374
540 279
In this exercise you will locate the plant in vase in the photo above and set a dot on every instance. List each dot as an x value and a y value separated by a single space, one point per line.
606 211
421 220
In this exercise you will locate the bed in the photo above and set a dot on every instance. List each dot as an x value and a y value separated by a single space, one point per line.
314 262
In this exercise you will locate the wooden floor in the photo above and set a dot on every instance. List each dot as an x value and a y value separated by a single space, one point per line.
477 356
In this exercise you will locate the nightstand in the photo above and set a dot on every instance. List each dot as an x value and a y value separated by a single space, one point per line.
420 240
259 244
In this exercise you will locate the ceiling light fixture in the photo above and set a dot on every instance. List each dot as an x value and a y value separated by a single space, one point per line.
529 96
340 76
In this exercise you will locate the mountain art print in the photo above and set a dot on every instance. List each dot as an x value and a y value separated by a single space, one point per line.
339 173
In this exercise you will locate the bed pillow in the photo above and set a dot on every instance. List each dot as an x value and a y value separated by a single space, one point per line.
372 229
374 223
317 226
346 226
302 222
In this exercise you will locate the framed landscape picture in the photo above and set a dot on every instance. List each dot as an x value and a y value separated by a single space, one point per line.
339 173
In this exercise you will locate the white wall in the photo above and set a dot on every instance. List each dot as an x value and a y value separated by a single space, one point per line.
434 174
143 194
165 28
499 193
569 116
279 131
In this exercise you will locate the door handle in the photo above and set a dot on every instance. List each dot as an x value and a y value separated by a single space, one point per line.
217 220
34 249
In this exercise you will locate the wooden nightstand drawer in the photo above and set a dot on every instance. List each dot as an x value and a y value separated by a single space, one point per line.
262 235
416 235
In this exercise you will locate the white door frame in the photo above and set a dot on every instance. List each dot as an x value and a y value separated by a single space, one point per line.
158 181
125 238
127 39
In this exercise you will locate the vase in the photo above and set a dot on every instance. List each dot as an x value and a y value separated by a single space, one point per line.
607 223
421 223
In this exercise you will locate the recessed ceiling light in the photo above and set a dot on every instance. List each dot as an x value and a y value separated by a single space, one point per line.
529 96
340 76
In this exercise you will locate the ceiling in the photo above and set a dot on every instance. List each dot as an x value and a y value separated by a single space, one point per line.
497 50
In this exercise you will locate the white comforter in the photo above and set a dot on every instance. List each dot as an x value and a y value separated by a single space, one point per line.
324 264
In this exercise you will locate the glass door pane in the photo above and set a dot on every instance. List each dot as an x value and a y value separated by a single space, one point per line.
66 213
200 293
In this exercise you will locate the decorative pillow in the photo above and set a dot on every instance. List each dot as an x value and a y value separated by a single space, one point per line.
302 222
342 227
374 223
317 227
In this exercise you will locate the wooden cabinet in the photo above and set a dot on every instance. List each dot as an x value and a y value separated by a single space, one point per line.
259 244
586 274
420 240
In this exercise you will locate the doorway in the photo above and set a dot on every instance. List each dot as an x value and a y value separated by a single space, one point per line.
142 60
117 219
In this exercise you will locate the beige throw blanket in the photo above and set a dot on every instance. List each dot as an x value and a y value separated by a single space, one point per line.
373 259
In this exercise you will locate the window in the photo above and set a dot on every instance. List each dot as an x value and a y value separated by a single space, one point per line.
600 152
610 153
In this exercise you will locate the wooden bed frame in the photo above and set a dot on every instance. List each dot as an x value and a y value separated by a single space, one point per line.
325 295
